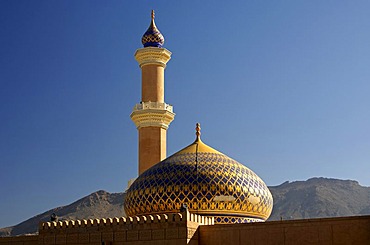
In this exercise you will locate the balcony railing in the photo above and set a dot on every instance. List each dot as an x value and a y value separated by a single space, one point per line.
153 105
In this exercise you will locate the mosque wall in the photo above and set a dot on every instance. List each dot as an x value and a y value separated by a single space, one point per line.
328 231
20 240
173 229
151 229
192 229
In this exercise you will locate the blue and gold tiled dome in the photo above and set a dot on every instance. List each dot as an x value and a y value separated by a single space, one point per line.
152 37
207 181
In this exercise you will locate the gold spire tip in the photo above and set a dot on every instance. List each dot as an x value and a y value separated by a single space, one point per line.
153 14
197 129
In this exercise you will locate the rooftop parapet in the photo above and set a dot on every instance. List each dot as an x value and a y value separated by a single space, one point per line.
127 222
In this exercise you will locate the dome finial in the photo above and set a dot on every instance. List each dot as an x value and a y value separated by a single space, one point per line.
197 129
152 37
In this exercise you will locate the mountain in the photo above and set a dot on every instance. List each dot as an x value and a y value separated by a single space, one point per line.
314 198
100 204
319 197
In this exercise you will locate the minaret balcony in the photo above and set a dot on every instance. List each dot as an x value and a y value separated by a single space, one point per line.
153 105
152 114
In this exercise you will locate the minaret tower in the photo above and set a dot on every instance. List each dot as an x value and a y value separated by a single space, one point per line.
152 116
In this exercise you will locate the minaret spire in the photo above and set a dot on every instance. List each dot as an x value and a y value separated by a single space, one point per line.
152 116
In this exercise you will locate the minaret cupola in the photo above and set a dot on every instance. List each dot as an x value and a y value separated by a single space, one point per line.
152 37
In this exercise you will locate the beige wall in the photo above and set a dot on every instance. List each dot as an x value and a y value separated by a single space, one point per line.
21 240
343 230
192 229
172 229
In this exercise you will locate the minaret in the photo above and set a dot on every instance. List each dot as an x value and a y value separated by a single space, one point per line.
152 116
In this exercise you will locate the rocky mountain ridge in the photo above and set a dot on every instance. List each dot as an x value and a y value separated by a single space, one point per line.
313 198
100 204
318 198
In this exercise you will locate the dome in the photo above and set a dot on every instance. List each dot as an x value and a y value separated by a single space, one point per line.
207 181
152 37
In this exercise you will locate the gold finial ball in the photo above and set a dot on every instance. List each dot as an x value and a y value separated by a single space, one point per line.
197 128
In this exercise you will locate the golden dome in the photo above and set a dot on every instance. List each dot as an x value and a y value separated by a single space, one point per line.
207 181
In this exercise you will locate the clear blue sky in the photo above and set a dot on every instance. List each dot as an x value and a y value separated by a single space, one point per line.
280 86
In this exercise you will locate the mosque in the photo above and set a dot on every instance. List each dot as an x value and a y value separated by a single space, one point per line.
196 196
198 177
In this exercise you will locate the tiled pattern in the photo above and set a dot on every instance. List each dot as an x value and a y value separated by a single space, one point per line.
152 37
196 179
233 220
